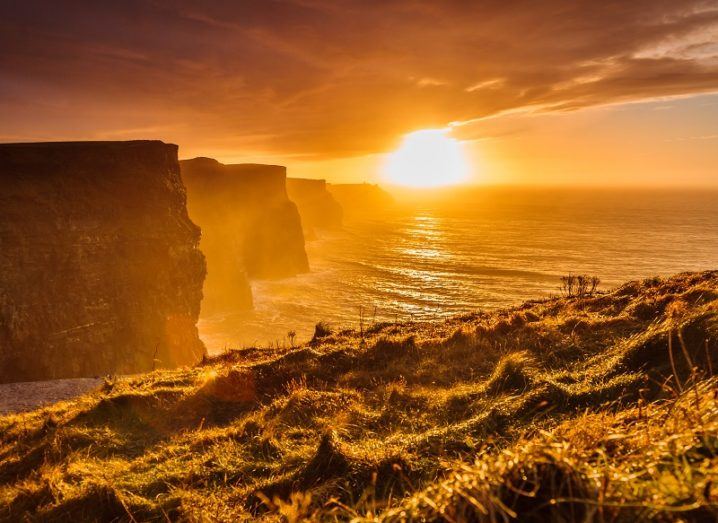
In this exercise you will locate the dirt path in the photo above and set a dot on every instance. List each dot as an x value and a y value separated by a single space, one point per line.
17 397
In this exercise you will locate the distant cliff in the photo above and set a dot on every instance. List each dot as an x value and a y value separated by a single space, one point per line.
360 198
250 228
317 207
100 270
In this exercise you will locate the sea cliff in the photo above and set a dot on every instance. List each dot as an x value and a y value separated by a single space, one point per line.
360 198
250 228
100 270
317 206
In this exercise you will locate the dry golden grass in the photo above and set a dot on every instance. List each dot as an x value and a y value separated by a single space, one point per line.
600 408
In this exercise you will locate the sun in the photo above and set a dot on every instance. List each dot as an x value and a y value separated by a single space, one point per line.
427 158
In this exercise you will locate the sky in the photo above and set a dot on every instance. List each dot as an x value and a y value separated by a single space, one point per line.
538 91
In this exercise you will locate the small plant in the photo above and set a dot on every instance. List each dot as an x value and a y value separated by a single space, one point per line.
291 335
579 285
322 330
361 321
109 383
155 361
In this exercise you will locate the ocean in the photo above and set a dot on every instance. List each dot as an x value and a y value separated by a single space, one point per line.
450 252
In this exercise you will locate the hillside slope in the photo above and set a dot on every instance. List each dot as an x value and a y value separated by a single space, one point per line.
601 407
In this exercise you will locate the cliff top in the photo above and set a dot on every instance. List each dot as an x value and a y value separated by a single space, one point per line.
43 159
203 161
209 180
98 143
307 181
59 151
551 410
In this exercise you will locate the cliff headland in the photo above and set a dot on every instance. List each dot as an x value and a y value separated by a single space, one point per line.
100 270
250 227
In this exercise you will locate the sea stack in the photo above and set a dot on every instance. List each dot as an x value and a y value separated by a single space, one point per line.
100 270
250 228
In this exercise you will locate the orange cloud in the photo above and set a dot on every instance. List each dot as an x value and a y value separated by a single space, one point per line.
327 78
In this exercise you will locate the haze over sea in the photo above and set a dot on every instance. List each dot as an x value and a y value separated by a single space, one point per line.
436 255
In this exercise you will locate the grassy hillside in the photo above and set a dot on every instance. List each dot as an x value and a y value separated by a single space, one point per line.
601 407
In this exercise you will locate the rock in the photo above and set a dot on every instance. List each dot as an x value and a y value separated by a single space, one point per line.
100 270
317 207
250 228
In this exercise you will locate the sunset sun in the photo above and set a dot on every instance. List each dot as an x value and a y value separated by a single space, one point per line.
427 158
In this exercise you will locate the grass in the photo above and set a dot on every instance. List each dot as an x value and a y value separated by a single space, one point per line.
598 408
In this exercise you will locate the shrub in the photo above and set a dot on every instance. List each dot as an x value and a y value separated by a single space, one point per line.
579 285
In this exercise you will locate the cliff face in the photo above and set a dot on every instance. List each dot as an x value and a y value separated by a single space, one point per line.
100 270
317 207
360 198
250 228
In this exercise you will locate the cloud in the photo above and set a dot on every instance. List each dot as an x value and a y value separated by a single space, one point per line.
334 78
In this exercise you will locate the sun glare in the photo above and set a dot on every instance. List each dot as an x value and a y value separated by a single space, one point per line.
427 158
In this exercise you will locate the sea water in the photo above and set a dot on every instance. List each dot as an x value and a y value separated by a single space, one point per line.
433 256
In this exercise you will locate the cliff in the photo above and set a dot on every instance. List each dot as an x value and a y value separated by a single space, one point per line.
317 207
360 198
555 410
250 228
100 270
